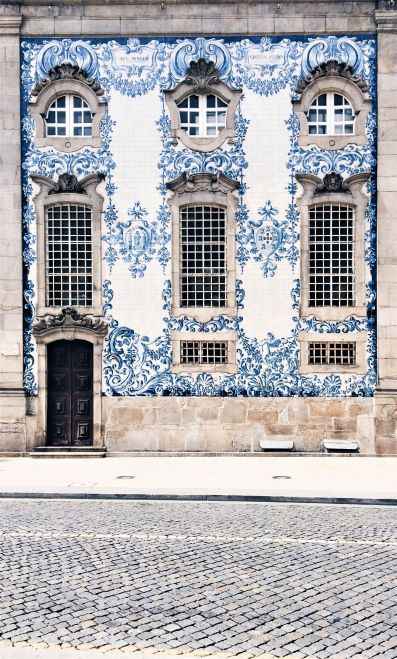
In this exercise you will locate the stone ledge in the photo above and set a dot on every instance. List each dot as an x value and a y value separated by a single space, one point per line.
386 21
10 25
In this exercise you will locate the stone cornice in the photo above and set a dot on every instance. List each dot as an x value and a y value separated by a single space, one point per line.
386 21
10 25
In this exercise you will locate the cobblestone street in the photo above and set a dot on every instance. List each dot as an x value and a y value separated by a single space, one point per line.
205 578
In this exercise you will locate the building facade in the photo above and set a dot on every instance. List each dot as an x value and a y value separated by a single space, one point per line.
199 249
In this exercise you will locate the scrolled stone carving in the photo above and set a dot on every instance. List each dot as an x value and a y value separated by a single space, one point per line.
202 74
203 182
70 318
332 182
331 68
67 71
67 183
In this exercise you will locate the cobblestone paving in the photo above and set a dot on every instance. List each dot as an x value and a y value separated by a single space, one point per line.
206 578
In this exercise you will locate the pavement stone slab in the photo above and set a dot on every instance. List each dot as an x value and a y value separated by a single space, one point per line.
117 578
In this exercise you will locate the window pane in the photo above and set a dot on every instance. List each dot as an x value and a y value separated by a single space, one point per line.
331 272
203 256
68 255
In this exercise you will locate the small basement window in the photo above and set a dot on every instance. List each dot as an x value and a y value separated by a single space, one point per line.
332 354
203 352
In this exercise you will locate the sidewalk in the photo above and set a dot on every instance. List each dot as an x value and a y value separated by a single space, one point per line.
314 479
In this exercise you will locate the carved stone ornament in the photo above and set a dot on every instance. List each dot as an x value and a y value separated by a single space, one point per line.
202 74
332 68
203 182
70 318
67 72
332 182
67 183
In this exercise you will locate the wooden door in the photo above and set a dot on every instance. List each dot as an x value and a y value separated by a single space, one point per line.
69 393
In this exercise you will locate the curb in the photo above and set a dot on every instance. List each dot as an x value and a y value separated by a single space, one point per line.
98 496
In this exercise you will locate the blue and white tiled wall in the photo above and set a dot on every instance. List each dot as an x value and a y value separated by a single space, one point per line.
139 157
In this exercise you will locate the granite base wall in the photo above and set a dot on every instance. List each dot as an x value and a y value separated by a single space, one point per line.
238 424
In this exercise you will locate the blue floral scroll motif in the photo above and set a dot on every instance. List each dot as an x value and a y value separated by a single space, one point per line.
29 377
136 240
340 49
352 159
190 50
350 324
265 68
133 68
67 51
267 239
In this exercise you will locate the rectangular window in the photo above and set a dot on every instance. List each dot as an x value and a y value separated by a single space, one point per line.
332 354
203 268
203 352
69 255
331 271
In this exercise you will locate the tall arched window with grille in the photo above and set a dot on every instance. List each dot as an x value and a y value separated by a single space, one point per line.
69 280
331 260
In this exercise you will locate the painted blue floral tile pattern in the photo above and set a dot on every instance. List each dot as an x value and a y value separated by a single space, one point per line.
267 234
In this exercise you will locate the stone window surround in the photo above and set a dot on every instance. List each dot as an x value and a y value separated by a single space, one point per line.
224 335
183 90
359 338
354 197
338 85
204 194
39 105
42 201
69 334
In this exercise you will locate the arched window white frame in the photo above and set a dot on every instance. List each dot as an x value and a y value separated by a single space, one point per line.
331 113
202 115
69 115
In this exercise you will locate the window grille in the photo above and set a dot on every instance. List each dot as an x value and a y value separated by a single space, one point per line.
332 354
331 273
202 116
203 256
69 116
69 255
331 114
203 352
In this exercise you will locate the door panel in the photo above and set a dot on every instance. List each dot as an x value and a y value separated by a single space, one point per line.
70 395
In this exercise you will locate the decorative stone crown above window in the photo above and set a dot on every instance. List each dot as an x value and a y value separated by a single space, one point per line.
78 206
332 246
199 202
332 105
75 102
202 108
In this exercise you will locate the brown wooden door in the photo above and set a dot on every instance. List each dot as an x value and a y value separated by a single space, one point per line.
70 396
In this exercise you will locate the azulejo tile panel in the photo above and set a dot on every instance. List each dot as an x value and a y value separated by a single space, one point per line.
267 233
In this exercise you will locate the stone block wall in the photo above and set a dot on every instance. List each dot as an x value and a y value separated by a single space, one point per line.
237 424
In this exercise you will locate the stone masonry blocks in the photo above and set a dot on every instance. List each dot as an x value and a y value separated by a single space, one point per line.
238 424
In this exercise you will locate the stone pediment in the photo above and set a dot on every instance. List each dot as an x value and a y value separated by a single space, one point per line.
203 182
70 318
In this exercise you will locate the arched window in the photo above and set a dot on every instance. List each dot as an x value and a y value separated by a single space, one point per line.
202 115
69 255
331 114
202 108
69 116
331 258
